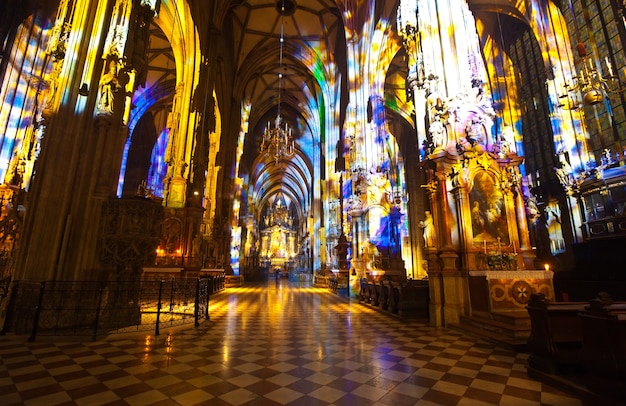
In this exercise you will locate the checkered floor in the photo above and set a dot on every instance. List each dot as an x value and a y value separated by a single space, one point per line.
273 344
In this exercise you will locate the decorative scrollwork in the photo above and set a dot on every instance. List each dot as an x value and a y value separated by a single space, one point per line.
130 232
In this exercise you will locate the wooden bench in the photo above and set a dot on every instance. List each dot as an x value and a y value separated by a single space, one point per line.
581 340
604 347
338 284
384 294
556 334
372 293
389 296
233 281
394 297
364 295
408 299
414 298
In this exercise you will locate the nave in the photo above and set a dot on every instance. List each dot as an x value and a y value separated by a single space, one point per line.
274 343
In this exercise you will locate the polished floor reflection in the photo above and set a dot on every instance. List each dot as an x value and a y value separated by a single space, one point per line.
273 344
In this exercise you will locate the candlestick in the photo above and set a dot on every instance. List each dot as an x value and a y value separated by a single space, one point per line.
608 66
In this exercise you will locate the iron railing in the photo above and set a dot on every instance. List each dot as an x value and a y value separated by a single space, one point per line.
82 308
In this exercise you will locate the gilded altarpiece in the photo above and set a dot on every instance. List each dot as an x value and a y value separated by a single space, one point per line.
481 259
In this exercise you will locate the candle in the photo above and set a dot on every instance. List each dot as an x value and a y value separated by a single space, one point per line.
514 249
608 66
485 245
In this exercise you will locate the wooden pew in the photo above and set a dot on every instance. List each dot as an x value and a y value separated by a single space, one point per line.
394 297
581 342
372 293
338 284
409 299
384 294
414 299
363 292
604 347
556 337
376 301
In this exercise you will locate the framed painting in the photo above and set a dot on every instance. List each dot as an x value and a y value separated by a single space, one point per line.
489 223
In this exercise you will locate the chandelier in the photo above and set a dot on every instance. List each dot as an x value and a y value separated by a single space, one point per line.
590 83
277 141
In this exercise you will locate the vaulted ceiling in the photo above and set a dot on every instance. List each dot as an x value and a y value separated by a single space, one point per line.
314 35
311 30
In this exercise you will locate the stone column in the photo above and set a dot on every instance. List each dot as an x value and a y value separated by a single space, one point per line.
357 263
450 276
435 284
526 251
465 226
448 255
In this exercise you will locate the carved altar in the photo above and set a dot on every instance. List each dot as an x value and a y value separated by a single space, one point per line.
480 259
278 245
507 291
278 234
475 188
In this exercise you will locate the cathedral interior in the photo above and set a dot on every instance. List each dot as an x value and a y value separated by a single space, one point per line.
404 141
468 155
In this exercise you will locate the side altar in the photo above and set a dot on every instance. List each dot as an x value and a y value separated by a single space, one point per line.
477 243
507 291
480 259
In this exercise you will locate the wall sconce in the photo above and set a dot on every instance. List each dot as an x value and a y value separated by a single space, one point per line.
84 90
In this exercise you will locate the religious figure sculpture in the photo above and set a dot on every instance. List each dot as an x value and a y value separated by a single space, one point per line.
475 132
437 133
532 209
196 249
507 141
109 85
428 229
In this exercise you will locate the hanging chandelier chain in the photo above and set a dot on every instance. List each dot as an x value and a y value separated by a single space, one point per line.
278 142
280 57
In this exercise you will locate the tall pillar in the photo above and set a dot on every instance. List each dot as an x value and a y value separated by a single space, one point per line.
407 27
465 233
358 263
525 249
450 276
444 214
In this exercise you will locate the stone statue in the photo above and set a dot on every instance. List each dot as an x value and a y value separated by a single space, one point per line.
109 85
437 133
563 176
196 249
428 228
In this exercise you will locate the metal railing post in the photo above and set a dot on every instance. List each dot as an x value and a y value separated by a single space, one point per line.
172 296
196 309
208 299
33 333
158 315
97 322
